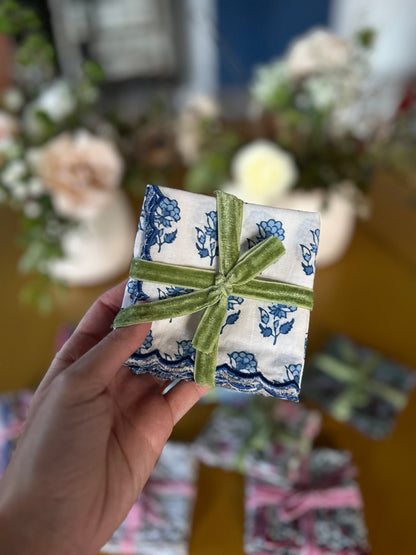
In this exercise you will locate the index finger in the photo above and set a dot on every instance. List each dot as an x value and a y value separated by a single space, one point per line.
93 327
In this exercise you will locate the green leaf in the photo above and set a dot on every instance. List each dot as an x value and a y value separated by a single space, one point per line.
366 37
41 292
15 19
93 71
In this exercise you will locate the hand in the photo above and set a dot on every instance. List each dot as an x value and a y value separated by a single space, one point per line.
91 439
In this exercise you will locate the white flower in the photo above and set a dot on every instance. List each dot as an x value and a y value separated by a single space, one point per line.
322 92
35 186
13 99
318 51
262 171
268 79
9 149
57 101
81 172
8 126
19 190
13 172
33 157
32 209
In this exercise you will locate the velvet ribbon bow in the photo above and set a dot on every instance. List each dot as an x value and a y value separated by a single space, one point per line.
237 275
292 505
265 430
300 504
356 373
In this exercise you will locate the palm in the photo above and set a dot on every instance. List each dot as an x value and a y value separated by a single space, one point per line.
94 431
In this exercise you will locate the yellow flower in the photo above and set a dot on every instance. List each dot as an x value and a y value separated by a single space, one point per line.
262 172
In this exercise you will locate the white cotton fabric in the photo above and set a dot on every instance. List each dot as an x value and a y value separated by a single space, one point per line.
277 359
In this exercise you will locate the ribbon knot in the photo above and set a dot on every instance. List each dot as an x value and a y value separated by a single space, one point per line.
357 375
293 504
237 275
223 285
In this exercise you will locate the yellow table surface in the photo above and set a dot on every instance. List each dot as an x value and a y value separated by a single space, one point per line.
369 295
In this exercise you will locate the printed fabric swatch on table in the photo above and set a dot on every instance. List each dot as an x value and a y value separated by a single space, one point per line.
261 344
161 519
322 514
268 440
14 407
358 385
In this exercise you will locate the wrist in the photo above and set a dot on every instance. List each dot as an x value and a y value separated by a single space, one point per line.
25 530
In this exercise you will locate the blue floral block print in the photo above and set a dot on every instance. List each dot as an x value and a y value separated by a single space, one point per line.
271 228
310 252
261 344
206 238
274 321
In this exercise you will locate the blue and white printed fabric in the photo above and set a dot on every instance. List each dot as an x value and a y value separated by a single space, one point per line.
262 345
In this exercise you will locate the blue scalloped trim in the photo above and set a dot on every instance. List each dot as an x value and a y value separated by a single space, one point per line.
225 376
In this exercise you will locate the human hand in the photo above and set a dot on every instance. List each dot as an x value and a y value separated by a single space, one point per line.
92 437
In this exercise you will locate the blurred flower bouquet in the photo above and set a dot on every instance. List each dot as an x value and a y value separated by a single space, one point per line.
309 126
311 140
59 161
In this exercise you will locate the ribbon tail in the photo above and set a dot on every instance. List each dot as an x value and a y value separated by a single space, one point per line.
210 325
171 307
205 365
257 259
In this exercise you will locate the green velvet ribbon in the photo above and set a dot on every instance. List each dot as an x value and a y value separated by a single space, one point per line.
237 276
357 375
263 431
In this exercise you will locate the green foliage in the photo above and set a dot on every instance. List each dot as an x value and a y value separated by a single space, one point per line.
212 169
93 71
366 37
35 47
15 19
41 292
24 24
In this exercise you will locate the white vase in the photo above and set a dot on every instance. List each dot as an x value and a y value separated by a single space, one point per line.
100 248
338 218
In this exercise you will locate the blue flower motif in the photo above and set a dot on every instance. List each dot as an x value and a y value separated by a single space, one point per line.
232 301
168 211
293 372
147 343
281 310
309 253
234 313
274 321
135 290
158 215
206 239
172 291
185 349
243 361
271 228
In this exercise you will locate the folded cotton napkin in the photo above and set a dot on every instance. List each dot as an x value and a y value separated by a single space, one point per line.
261 343
160 521
267 440
358 385
321 513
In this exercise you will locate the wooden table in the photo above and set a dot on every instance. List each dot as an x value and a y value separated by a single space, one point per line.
369 295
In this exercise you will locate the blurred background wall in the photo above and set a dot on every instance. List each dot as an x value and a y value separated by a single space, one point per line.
211 46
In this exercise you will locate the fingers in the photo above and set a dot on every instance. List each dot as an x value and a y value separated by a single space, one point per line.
102 362
183 397
95 325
